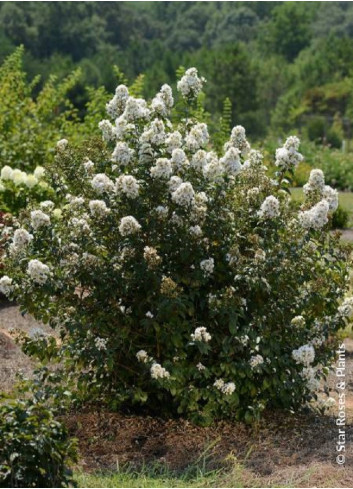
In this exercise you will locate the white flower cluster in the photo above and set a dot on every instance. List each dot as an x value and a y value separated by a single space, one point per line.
254 160
226 388
101 183
309 375
201 334
163 101
122 154
190 84
6 285
200 367
154 134
18 177
122 128
162 169
39 219
76 202
269 208
238 140
61 145
108 131
135 109
213 170
173 141
195 231
198 137
128 185
79 226
316 181
88 165
298 322
129 225
98 208
331 196
161 211
316 185
142 356
21 239
116 106
38 271
316 217
231 161
255 361
159 372
288 156
151 256
346 309
174 183
207 266
100 343
199 160
304 355
184 195
179 159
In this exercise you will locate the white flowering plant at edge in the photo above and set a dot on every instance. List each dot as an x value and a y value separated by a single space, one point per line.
181 279
18 188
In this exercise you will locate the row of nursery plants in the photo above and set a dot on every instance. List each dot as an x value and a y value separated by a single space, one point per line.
178 274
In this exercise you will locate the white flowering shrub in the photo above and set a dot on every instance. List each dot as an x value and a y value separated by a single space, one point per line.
180 279
18 188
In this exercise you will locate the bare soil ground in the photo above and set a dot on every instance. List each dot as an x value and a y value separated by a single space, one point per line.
295 450
12 360
347 235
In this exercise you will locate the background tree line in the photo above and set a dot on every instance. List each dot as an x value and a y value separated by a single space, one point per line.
283 65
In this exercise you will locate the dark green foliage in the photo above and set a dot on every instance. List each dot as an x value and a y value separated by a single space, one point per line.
289 28
333 139
30 127
316 129
35 448
340 218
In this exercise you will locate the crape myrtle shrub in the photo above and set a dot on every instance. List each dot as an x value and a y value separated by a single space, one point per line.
182 280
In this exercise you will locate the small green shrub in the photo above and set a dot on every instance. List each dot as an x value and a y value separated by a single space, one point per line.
340 218
333 139
316 129
34 448
337 166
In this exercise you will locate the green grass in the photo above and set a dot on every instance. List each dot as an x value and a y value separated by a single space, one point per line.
235 476
345 201
149 477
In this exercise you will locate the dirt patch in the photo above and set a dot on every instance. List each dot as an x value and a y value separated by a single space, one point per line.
347 235
12 360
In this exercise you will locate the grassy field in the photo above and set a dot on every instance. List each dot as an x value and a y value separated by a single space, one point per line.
345 200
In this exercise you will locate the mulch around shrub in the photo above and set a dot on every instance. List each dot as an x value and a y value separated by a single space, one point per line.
108 440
